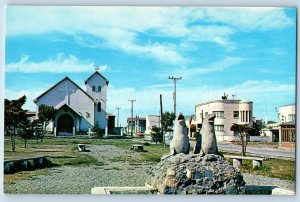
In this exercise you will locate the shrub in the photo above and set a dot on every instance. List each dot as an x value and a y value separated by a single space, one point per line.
156 134
98 131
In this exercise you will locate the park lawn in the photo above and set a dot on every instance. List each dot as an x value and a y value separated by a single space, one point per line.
63 151
276 168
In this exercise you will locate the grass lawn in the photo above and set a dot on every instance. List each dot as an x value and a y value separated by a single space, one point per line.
63 151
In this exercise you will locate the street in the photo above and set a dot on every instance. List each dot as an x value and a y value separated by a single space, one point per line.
260 150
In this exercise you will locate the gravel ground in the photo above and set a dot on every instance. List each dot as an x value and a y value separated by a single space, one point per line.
80 179
252 179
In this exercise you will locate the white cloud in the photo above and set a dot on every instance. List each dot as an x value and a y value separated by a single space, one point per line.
218 66
58 64
250 18
30 95
121 27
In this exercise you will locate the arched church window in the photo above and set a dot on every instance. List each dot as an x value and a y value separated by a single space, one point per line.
99 88
93 88
99 107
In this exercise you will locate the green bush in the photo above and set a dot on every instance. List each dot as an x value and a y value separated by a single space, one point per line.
156 134
98 131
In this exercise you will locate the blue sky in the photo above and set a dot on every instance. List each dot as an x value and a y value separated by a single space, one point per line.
249 52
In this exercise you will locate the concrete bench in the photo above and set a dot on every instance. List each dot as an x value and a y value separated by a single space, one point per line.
137 147
16 165
81 147
237 160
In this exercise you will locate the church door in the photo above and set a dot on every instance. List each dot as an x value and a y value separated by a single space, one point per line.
65 124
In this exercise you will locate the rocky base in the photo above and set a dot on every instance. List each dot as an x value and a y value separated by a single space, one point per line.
193 174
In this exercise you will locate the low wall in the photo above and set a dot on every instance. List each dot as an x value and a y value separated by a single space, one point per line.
260 139
227 138
231 138
289 145
250 190
12 166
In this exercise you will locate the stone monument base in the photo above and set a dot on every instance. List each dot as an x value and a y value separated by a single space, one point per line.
193 174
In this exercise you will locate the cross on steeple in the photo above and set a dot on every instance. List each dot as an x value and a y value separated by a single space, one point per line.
67 90
97 68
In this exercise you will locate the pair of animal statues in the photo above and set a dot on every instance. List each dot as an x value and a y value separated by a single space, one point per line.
206 142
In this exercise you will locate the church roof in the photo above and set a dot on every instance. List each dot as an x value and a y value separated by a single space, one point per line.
96 72
66 78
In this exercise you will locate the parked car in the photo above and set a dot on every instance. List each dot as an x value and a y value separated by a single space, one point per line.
140 134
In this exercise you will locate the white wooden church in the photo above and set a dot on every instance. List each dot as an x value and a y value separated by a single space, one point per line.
76 109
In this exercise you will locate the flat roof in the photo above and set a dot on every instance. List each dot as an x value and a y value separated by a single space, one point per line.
293 104
228 101
290 123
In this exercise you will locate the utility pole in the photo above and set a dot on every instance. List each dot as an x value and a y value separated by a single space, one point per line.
132 101
118 108
161 112
174 94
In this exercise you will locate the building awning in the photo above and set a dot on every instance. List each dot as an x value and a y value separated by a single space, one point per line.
290 123
64 105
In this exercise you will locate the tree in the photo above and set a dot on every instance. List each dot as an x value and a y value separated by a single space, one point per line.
26 131
45 115
242 131
156 134
14 118
98 131
167 120
254 130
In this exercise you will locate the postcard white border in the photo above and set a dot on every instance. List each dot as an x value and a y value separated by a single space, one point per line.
90 198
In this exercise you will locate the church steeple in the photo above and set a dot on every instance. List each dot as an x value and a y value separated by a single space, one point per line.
96 86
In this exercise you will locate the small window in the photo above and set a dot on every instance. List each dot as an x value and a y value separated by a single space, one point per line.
219 113
99 88
93 88
99 107
236 114
219 127
291 117
87 115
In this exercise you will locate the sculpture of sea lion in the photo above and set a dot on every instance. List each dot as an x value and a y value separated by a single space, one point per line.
180 142
209 140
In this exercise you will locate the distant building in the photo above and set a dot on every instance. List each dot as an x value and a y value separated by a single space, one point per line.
138 125
286 113
31 116
227 111
286 118
271 135
288 134
152 120
190 122
110 123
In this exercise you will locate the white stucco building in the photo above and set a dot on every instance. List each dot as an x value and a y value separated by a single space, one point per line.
152 120
76 109
286 113
227 112
287 122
